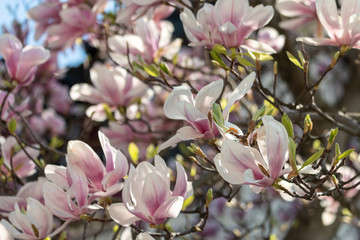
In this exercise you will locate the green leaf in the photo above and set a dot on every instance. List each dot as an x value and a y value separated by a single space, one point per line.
151 151
332 137
301 57
187 202
312 158
151 70
288 125
220 49
108 112
12 126
244 62
337 153
1 161
346 153
263 56
292 155
137 66
209 197
133 152
308 124
294 60
217 115
164 68
259 113
217 61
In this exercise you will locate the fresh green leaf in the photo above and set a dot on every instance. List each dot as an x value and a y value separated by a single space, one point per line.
209 197
294 60
12 126
151 70
308 124
133 152
217 61
312 158
292 155
164 68
220 49
244 62
346 153
259 113
217 115
301 57
288 125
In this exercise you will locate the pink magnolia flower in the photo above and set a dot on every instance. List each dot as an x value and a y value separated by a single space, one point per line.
18 160
229 22
102 180
300 12
50 121
151 40
75 22
21 63
239 164
147 195
180 105
271 37
135 9
69 204
113 86
35 223
7 113
45 15
343 30
29 190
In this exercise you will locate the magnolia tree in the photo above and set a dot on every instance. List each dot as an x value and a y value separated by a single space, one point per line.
234 131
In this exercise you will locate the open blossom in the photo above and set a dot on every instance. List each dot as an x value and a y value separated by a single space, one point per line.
135 9
18 160
181 105
147 195
300 12
229 22
111 85
21 63
34 223
271 37
342 30
69 203
45 15
239 164
102 180
7 113
75 22
151 40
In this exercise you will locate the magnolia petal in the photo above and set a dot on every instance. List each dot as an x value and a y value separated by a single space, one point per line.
57 175
121 215
85 93
10 49
83 156
181 181
327 13
79 184
170 208
177 95
275 149
317 41
5 233
41 217
208 95
238 93
154 192
230 176
256 46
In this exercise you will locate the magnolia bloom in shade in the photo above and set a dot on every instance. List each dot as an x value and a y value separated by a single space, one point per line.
75 22
147 195
112 85
34 223
343 30
229 22
151 40
45 15
18 160
180 105
272 38
300 12
7 113
239 164
21 63
102 180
